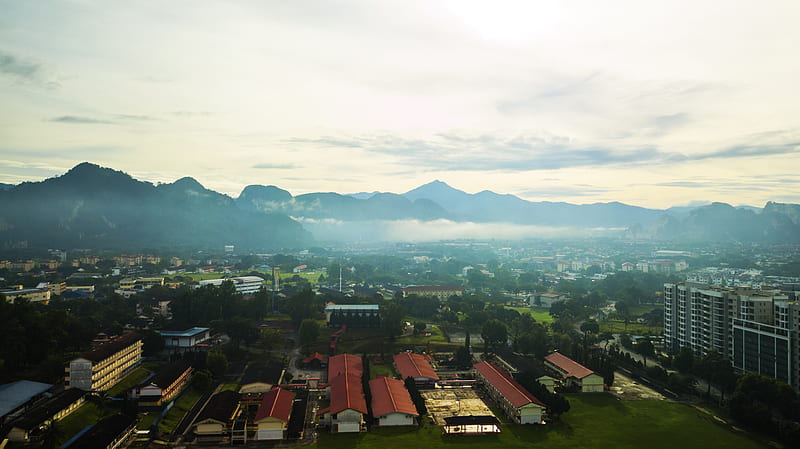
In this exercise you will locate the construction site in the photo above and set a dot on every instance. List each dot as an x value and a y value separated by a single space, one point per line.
448 402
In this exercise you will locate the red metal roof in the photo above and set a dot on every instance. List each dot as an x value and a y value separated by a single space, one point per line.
506 385
277 403
314 356
570 367
347 392
345 364
414 365
390 396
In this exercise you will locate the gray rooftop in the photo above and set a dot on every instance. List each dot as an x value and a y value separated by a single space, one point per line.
14 394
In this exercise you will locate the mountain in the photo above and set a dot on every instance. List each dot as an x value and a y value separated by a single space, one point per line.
6 186
92 206
487 206
329 205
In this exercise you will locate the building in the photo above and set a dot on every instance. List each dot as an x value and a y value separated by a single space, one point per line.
272 418
34 295
348 405
391 403
757 329
352 315
574 374
471 425
518 403
28 427
102 367
183 340
260 377
246 285
216 419
16 397
546 299
442 292
165 385
416 366
110 433
128 287
56 288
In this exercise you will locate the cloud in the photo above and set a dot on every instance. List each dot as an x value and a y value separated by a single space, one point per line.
268 166
25 70
72 119
138 118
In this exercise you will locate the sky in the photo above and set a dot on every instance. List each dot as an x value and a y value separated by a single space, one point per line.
656 103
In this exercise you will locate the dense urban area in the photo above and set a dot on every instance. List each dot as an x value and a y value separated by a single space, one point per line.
551 342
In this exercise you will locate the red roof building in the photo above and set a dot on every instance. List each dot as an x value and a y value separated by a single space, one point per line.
391 402
272 416
573 373
345 364
347 404
416 366
518 403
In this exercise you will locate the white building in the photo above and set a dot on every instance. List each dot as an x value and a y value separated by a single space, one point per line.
246 285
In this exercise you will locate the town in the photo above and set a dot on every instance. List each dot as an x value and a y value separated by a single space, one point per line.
453 338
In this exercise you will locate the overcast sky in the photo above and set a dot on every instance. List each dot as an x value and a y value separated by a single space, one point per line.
652 103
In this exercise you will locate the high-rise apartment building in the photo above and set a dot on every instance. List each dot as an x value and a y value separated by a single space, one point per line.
756 329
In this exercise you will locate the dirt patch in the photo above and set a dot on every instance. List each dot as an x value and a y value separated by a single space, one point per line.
628 389
454 402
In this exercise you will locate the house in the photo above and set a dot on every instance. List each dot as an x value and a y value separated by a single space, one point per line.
165 385
314 361
391 402
417 367
184 340
438 291
347 402
517 402
110 433
216 419
573 373
260 377
272 417
347 405
102 367
28 426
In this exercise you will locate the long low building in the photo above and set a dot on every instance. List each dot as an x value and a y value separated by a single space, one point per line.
216 420
110 433
102 367
518 403
573 373
391 403
442 292
348 406
28 426
272 418
165 385
184 340
415 366
246 285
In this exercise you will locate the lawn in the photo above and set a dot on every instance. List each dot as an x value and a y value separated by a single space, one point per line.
87 414
183 405
383 369
595 421
372 341
540 314
131 380
633 328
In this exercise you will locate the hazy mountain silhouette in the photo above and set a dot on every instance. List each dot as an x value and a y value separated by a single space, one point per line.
91 206
99 207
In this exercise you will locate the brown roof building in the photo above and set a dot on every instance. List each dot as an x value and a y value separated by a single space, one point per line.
391 402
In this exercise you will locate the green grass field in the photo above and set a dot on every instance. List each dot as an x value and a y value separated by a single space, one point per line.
130 381
618 327
183 405
358 341
87 414
540 314
595 421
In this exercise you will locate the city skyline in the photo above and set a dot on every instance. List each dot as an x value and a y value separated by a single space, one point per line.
655 105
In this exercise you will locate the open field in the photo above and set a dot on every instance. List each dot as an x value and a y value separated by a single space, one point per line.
372 341
595 421
540 314
131 380
183 405
88 414
618 327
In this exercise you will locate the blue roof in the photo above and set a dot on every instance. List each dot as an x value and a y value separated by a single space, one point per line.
14 394
187 333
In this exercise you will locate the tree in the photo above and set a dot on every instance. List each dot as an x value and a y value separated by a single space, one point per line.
495 334
217 363
301 306
684 360
590 326
202 380
308 332
392 319
419 327
646 349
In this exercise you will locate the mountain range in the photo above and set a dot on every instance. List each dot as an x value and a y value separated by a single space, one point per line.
92 206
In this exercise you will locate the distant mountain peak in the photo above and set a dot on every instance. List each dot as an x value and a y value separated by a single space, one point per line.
187 182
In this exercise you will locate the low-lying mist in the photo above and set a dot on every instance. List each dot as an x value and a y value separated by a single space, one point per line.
421 231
